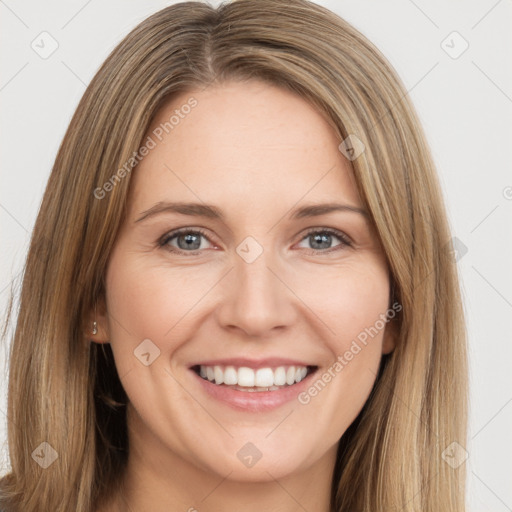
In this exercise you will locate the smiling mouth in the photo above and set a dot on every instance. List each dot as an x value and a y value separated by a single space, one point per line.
248 379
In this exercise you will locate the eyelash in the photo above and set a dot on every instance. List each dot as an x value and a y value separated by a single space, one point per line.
164 241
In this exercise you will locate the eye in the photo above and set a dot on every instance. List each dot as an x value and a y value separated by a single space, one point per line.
184 240
321 240
190 241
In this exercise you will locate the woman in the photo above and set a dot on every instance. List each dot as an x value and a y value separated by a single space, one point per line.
239 292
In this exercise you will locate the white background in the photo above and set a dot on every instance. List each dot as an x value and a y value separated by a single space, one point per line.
464 103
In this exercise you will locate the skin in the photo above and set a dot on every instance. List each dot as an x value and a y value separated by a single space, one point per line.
256 152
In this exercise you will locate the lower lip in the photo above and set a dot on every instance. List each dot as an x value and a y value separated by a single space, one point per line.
256 401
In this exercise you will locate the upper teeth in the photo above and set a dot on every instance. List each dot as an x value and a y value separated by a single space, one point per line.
247 377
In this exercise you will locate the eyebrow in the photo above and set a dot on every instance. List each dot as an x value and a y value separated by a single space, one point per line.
212 212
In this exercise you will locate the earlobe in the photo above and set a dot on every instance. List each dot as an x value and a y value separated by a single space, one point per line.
96 333
97 329
390 337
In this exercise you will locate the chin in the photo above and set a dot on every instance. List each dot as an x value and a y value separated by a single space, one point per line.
262 463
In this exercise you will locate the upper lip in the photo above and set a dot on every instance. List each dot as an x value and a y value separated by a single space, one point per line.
272 362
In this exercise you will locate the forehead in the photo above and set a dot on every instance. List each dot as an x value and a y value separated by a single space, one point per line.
250 141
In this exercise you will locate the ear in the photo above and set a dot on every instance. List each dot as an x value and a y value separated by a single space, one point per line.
98 315
390 336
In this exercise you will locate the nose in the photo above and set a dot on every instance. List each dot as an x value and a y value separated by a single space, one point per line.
256 298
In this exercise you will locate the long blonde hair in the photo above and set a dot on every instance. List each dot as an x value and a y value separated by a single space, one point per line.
64 390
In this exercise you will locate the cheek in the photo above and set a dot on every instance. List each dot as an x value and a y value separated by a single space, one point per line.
354 312
146 302
348 299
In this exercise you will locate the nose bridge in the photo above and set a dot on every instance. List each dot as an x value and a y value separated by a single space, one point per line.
256 300
253 275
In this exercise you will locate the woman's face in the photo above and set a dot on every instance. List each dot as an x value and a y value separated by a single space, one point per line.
261 285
